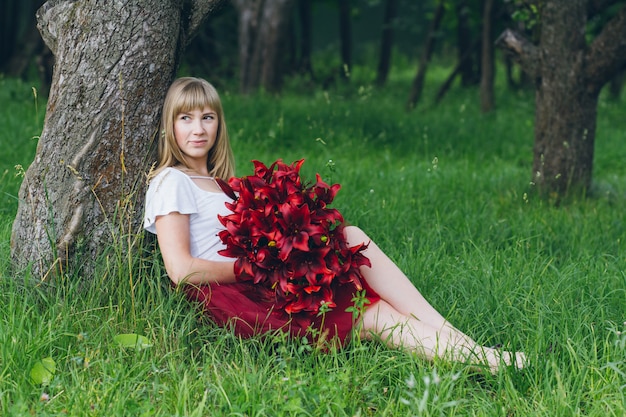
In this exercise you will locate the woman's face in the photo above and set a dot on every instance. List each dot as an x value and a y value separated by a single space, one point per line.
195 132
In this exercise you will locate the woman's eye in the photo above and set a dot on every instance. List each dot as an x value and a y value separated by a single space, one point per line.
209 117
183 117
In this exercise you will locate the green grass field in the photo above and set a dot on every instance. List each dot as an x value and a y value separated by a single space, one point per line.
443 190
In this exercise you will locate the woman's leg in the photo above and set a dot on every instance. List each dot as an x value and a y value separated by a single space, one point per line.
393 285
410 310
397 330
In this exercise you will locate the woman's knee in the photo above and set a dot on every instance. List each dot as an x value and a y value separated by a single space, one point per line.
355 235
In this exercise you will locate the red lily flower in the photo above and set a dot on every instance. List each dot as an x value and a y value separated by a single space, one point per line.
287 240
311 264
295 222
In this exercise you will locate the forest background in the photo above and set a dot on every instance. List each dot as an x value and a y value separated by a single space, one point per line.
445 188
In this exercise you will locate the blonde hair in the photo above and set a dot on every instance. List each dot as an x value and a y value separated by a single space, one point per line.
184 95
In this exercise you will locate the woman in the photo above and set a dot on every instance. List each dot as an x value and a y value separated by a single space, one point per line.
182 204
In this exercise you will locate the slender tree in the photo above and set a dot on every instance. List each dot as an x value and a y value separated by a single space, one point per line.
418 81
465 44
345 37
114 63
386 42
305 15
455 72
19 40
212 53
569 73
262 30
488 66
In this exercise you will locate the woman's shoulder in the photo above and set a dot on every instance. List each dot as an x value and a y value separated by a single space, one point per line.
169 179
165 171
168 174
169 191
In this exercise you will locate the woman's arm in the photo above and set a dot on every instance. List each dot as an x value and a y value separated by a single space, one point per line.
173 236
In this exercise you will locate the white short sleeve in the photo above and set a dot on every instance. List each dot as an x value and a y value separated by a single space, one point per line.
173 191
168 192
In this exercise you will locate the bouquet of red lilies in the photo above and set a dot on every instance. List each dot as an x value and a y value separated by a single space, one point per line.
286 238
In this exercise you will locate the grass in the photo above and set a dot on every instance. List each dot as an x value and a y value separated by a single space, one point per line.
445 191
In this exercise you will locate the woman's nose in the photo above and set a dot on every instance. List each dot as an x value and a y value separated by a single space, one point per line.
198 126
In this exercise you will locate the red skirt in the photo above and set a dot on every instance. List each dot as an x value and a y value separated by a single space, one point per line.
241 306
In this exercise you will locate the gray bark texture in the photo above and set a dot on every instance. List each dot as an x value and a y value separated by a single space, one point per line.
569 74
114 61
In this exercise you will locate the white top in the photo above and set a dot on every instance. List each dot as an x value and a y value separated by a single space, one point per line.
174 191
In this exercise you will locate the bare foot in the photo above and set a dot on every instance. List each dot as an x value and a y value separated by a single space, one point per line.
498 359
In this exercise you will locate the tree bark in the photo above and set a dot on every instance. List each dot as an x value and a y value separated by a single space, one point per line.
525 53
488 67
386 42
262 30
418 81
569 75
84 189
565 112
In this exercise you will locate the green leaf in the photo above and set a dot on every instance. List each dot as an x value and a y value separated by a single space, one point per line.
132 340
42 371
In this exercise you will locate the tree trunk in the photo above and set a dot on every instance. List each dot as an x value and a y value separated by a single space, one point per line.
262 30
29 46
19 39
202 56
456 71
249 21
8 33
418 81
345 37
386 42
465 45
488 66
84 189
565 115
569 75
305 14
276 15
509 67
